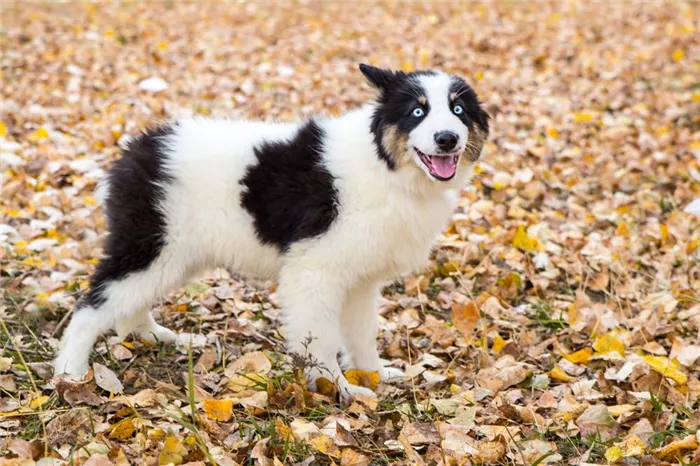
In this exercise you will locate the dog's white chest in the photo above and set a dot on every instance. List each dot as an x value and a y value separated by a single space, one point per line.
408 231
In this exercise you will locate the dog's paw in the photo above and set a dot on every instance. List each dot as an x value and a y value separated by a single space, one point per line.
349 392
64 365
387 373
158 333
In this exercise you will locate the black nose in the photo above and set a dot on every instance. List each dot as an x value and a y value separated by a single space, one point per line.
446 140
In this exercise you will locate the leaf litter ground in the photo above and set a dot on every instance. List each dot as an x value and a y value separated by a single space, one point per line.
557 321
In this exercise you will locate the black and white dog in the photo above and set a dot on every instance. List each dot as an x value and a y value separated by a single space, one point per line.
330 207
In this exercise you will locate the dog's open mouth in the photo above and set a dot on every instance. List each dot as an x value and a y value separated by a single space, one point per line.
442 167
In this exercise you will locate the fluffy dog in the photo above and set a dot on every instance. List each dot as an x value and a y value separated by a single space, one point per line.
329 207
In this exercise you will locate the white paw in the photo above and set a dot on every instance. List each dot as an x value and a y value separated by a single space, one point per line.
65 365
158 333
387 373
349 391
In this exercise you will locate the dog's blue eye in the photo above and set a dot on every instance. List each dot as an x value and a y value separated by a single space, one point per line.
457 109
418 112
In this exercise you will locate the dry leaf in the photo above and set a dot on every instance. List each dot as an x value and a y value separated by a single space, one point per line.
325 445
362 378
172 452
666 368
219 410
106 379
465 317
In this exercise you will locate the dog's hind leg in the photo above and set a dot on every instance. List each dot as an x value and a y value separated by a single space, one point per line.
121 304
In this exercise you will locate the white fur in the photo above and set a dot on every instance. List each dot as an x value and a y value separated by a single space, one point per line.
328 285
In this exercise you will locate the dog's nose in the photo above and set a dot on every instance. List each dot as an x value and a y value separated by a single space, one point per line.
446 140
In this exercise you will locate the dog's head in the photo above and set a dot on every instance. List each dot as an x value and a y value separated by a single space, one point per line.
426 119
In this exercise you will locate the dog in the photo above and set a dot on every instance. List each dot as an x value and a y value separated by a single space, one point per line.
329 207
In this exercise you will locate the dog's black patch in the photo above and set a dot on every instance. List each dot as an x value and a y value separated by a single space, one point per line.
289 193
135 225
467 98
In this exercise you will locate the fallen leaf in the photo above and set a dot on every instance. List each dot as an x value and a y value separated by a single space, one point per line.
219 410
325 445
557 373
579 357
362 378
465 317
38 402
630 446
106 379
608 343
350 457
254 362
597 420
523 242
667 368
172 452
304 430
675 449
123 429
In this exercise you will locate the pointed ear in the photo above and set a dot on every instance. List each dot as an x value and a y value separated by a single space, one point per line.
377 77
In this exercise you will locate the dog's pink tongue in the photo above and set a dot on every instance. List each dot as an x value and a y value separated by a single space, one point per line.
443 166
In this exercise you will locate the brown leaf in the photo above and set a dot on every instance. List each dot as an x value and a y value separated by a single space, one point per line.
464 317
420 433
597 419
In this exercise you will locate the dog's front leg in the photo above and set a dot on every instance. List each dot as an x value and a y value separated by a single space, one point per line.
312 300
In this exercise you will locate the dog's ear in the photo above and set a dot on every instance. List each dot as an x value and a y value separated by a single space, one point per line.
377 77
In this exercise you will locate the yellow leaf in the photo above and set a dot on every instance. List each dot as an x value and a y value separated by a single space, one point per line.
667 368
623 230
172 451
39 135
363 378
128 344
406 67
325 445
465 317
424 55
631 446
579 357
36 403
479 76
678 55
614 454
524 242
559 374
162 46
552 133
282 430
619 410
607 344
673 450
123 430
219 410
89 200
325 387
3 129
582 117
498 344
664 232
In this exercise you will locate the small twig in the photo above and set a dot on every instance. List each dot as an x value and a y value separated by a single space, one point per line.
62 322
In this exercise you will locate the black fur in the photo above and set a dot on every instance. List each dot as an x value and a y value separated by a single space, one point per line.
466 97
135 224
289 193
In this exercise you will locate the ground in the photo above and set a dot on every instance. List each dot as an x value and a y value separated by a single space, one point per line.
557 321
